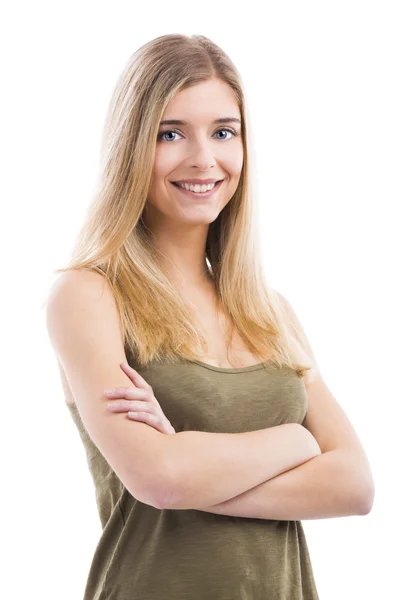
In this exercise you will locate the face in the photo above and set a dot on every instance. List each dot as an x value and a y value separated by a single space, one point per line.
199 149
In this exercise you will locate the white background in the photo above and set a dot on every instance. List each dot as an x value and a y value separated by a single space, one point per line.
322 81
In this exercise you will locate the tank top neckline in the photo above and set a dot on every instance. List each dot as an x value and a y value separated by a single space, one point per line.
254 367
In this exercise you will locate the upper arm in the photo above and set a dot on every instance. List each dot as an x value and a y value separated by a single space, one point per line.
326 419
83 325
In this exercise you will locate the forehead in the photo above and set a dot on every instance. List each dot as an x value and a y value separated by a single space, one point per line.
203 103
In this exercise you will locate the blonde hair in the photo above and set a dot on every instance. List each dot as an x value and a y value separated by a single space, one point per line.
156 321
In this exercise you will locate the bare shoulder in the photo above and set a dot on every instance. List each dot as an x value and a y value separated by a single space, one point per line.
79 296
83 280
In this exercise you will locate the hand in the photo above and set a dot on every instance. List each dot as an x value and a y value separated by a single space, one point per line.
139 399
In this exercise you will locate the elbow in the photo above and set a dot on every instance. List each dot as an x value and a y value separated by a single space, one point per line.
170 494
181 486
367 500
368 486
365 494
151 492
168 490
360 483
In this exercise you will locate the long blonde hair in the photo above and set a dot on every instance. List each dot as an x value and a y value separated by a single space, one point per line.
156 321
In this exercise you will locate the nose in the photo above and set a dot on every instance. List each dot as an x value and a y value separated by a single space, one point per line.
203 155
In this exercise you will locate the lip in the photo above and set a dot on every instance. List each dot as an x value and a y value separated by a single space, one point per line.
195 181
198 195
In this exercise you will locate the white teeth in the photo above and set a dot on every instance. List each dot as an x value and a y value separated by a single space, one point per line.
196 187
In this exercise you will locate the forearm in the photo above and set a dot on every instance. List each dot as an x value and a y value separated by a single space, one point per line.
213 467
328 485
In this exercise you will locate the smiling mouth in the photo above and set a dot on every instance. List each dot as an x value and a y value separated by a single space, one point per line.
199 195
176 184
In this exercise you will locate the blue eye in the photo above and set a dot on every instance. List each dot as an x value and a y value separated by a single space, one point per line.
162 133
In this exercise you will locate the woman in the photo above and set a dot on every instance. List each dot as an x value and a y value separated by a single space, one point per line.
216 440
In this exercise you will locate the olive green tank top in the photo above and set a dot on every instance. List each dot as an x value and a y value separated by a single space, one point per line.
149 554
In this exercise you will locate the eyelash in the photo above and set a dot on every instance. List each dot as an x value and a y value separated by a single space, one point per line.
159 137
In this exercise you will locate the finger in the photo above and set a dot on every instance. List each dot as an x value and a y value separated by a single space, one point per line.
162 425
127 405
128 393
127 369
148 418
134 376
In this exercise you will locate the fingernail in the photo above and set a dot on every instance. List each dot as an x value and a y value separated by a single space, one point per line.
109 392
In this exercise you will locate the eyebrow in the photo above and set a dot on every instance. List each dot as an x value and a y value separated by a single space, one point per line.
180 122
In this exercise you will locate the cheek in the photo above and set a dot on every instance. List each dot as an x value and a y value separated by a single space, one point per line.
165 161
238 164
234 164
